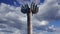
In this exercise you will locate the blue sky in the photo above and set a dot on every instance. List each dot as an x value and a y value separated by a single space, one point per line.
46 21
10 2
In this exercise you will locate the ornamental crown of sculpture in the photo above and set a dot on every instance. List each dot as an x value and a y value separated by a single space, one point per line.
25 8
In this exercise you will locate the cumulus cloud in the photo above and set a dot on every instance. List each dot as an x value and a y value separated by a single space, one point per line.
12 18
48 11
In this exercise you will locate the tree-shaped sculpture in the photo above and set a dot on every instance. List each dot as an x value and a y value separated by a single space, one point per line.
29 11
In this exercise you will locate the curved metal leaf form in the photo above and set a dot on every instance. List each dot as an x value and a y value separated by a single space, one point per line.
34 8
22 9
25 9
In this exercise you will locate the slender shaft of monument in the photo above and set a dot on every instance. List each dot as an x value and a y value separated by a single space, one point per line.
29 23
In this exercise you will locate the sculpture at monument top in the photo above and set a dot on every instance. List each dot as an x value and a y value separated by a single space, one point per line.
25 8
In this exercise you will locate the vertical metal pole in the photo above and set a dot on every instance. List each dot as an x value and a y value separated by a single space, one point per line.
29 23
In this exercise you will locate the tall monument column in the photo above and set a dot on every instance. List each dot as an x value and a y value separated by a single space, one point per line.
29 22
29 11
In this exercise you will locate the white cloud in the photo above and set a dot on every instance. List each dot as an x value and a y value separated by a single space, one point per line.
48 11
13 18
43 23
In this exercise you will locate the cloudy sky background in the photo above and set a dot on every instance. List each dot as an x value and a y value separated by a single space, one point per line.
46 21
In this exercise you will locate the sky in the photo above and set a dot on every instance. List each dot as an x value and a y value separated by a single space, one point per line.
46 21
